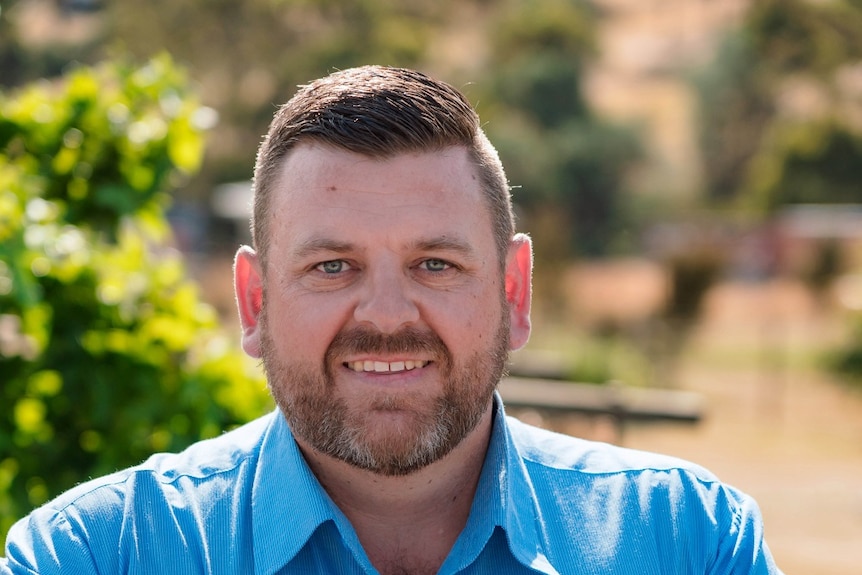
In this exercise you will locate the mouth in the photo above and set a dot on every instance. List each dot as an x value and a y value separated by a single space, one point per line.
368 366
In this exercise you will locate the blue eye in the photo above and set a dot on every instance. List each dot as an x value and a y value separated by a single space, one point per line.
332 266
433 265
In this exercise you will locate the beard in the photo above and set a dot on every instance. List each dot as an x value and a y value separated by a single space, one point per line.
307 396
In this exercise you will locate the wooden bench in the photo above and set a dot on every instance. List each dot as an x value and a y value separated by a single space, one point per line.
626 403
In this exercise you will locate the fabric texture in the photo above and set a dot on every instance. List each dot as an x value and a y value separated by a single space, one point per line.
246 502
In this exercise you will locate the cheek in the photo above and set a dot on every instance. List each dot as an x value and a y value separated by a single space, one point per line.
472 320
301 326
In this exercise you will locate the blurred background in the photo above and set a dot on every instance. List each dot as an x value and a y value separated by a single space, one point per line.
690 172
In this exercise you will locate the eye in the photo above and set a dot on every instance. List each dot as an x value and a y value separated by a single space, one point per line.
434 265
333 266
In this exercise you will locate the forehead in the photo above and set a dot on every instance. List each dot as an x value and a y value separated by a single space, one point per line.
325 192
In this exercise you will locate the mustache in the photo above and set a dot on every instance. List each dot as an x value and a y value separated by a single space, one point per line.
408 340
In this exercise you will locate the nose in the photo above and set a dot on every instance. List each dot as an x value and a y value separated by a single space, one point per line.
385 302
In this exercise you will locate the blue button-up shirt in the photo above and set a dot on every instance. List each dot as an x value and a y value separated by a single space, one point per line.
246 502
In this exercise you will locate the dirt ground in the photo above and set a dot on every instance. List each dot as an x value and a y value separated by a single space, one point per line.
775 427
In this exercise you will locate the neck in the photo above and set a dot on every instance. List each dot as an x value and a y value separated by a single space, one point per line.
391 514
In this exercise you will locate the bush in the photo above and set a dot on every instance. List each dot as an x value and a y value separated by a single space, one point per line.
107 352
846 360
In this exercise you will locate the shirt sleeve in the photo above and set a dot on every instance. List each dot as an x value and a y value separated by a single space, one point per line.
742 550
47 543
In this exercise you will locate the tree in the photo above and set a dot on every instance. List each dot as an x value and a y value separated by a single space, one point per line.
778 107
106 349
249 56
568 165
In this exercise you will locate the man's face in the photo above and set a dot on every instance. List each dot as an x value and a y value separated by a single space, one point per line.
384 324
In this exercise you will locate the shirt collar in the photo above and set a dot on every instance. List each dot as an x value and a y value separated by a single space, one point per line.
504 499
288 503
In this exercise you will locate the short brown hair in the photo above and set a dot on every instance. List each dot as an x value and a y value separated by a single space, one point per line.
380 111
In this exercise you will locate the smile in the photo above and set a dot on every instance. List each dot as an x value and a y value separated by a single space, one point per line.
385 366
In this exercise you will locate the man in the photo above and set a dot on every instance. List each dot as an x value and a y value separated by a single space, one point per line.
386 287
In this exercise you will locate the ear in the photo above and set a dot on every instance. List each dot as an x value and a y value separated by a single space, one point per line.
248 284
519 277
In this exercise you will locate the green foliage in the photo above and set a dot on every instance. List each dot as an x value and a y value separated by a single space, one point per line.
103 152
597 356
107 352
758 146
807 162
559 155
692 272
801 36
847 360
735 110
603 359
252 54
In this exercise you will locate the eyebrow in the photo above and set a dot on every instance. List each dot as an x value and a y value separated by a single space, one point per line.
441 243
316 245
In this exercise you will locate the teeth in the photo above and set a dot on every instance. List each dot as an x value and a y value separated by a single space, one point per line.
386 367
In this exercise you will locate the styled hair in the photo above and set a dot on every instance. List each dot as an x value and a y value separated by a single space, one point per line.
379 112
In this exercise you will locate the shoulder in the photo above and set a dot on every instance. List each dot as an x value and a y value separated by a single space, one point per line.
574 473
105 523
205 459
555 453
628 505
